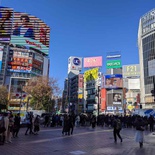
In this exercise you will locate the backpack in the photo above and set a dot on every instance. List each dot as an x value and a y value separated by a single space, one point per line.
118 125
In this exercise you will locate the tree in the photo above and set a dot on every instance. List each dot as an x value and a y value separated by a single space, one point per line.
3 95
41 90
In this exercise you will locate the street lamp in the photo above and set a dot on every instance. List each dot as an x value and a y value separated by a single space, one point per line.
98 103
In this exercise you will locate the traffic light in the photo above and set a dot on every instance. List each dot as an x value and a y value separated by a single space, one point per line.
140 106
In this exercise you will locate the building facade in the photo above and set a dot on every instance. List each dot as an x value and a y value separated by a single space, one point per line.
146 45
24 49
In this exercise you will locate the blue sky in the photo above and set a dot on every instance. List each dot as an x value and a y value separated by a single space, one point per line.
87 28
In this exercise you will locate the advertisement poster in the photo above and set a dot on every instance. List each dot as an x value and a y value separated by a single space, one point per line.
93 62
6 15
113 81
131 70
113 64
30 31
117 98
91 74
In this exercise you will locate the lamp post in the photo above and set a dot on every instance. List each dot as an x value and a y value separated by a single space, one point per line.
98 97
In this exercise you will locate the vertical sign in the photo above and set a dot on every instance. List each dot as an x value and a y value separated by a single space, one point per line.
1 56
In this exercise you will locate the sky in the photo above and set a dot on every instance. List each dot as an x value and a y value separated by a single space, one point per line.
87 28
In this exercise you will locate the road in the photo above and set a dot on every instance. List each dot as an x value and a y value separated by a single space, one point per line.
84 141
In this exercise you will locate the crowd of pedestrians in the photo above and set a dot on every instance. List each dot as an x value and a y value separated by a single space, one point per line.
10 125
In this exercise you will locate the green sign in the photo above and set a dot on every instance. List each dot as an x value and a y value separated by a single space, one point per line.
113 64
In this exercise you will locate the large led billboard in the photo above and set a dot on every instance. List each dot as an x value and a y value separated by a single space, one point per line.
20 60
1 56
117 98
30 31
131 70
113 81
113 64
6 15
93 62
91 74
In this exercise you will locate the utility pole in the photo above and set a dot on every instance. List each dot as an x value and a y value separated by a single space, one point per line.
20 97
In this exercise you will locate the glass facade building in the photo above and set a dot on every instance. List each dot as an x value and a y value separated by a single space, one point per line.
146 45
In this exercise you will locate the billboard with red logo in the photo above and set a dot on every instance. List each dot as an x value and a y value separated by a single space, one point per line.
30 31
93 62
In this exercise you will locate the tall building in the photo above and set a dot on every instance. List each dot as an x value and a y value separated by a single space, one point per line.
24 49
146 45
74 68
131 83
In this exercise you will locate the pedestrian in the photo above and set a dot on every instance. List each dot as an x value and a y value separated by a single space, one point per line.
139 136
10 128
36 125
29 121
93 121
117 126
16 127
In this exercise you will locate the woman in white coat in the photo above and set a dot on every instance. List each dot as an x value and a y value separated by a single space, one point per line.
139 137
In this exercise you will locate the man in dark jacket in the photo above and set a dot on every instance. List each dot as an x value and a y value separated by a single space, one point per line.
117 128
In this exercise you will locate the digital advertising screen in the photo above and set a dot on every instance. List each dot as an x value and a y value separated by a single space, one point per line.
20 60
113 81
30 31
117 98
6 15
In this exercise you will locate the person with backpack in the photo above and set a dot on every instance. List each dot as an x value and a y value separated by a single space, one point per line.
117 126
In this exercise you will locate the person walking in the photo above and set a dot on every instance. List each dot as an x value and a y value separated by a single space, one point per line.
16 127
139 136
116 129
36 125
93 121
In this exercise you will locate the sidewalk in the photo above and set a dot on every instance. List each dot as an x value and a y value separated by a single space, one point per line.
84 141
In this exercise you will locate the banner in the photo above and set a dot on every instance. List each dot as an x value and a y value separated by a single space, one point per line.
93 62
1 56
91 74
6 15
131 70
113 64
